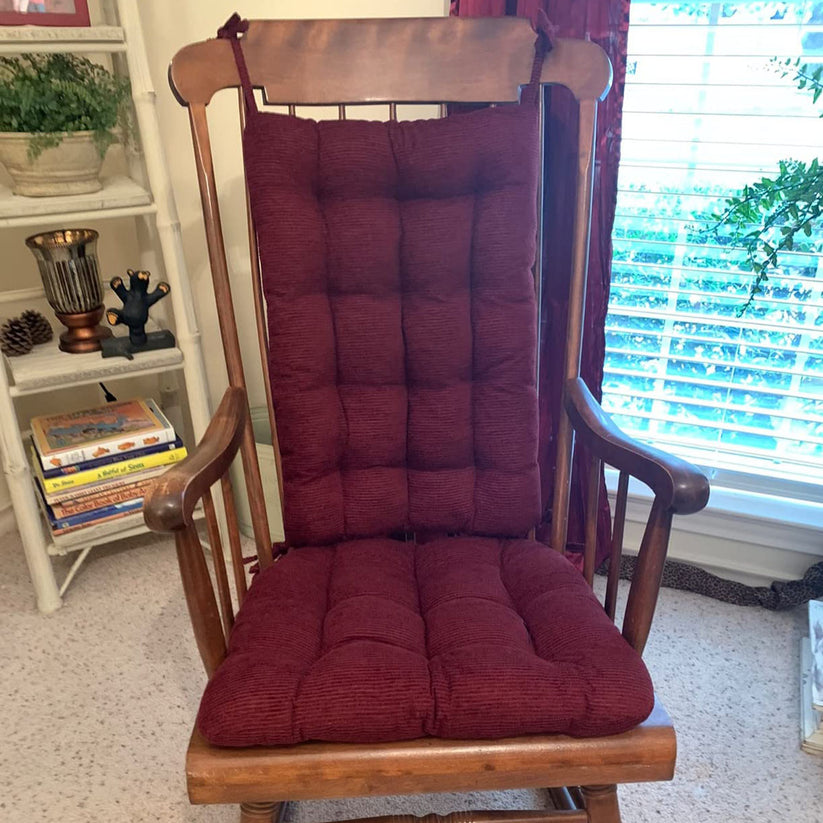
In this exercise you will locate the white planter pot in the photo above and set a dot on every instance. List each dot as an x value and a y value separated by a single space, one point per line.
73 167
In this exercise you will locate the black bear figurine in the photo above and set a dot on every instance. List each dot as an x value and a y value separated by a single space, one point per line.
137 300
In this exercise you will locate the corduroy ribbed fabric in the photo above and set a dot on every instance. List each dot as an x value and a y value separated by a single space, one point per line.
397 268
376 640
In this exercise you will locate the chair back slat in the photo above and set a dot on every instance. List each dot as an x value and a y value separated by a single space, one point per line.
429 60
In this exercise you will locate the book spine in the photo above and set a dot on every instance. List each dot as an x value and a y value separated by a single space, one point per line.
816 651
100 500
117 448
87 518
811 720
125 467
96 488
63 471
116 516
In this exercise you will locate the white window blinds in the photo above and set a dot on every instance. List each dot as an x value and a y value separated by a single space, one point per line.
704 114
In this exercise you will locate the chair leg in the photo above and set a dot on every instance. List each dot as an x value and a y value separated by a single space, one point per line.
601 803
267 812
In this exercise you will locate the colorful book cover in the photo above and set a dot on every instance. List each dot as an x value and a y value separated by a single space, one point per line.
108 459
114 470
60 524
136 516
92 489
116 428
816 649
106 497
811 720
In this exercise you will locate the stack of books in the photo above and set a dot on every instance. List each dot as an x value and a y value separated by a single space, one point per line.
811 682
94 465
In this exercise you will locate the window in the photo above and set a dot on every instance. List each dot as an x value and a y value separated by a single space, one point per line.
705 113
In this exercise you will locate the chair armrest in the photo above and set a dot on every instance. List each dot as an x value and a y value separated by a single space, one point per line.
678 485
170 501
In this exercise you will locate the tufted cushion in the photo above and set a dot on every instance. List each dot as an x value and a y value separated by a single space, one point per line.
396 263
374 640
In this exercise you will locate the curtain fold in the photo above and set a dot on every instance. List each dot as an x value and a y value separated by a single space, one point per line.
606 23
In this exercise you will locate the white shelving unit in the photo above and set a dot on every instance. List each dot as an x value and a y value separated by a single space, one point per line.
44 368
119 197
146 195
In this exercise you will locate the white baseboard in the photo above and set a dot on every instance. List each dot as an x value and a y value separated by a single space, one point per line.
732 545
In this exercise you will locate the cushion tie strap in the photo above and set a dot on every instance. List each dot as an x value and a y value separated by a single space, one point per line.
546 32
231 31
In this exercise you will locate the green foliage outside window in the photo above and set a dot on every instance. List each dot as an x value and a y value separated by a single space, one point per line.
686 364
771 215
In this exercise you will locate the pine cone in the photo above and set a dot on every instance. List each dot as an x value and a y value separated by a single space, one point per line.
15 338
39 327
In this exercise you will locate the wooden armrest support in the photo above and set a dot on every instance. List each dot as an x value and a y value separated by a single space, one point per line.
679 486
170 502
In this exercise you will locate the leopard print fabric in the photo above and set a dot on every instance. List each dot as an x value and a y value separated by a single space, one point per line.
781 595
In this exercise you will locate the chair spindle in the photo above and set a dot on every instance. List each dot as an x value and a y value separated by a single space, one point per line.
647 576
234 539
219 562
617 543
592 506
197 587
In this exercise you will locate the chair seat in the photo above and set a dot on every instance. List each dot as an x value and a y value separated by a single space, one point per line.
382 640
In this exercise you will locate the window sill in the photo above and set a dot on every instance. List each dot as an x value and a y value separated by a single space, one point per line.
741 516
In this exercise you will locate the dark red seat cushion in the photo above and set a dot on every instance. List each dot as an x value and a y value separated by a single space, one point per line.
378 640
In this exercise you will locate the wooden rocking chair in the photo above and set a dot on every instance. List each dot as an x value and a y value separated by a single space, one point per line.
412 642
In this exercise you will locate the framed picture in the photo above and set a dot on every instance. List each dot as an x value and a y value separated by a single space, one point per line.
44 13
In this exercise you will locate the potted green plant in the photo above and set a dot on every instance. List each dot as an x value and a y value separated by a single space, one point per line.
57 116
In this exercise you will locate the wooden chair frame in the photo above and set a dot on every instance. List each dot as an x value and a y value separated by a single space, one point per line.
438 60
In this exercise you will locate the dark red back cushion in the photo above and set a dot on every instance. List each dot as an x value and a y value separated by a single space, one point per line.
396 262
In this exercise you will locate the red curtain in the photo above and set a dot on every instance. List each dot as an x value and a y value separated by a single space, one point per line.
606 22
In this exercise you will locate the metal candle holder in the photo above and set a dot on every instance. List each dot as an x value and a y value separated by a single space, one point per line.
67 260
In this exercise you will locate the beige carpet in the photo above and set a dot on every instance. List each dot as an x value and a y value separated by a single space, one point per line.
97 701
